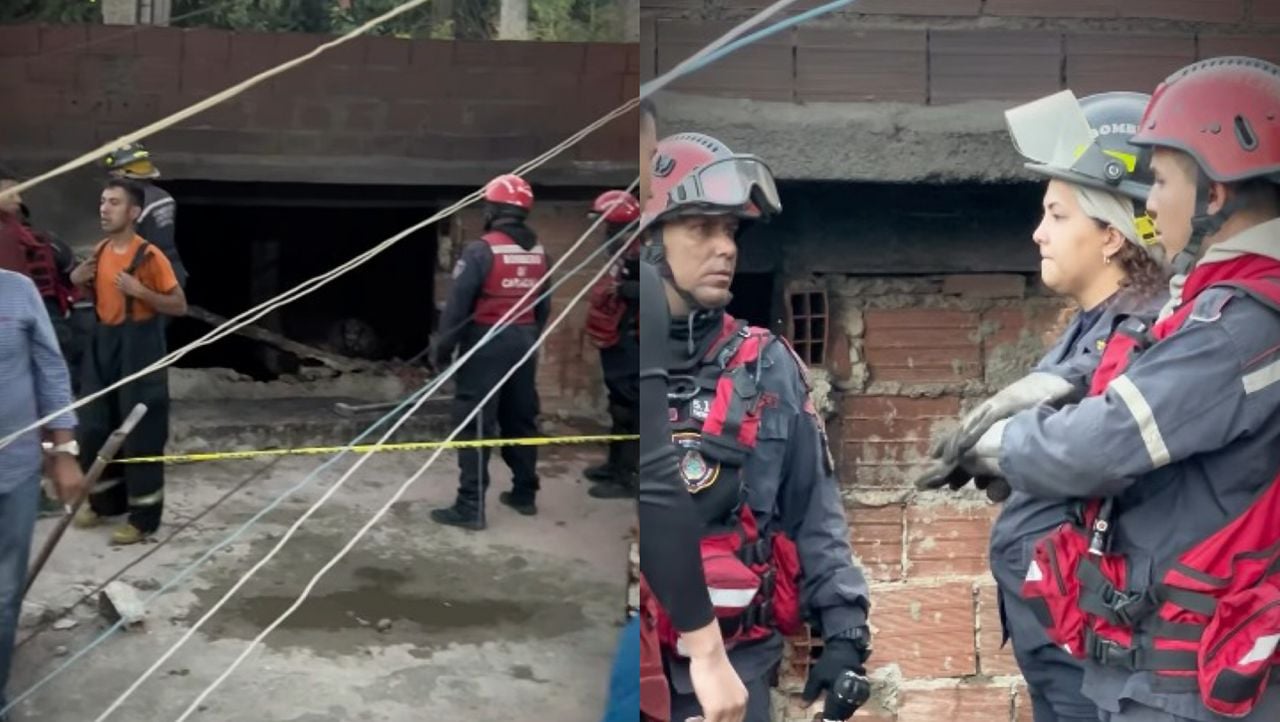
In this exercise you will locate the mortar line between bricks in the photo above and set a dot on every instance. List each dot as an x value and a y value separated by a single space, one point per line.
977 625
905 561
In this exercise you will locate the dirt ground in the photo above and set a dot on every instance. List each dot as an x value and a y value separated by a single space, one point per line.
517 622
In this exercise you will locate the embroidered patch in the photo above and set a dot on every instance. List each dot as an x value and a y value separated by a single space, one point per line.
698 473
700 409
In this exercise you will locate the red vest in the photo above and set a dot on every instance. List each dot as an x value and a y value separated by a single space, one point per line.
515 272
753 579
21 252
1212 620
606 309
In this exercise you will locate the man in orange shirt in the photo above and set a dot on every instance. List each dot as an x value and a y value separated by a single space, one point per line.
133 284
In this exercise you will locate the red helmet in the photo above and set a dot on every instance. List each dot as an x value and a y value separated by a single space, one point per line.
511 190
695 174
617 207
1224 112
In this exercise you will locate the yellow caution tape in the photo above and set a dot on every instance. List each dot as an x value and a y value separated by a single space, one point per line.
407 446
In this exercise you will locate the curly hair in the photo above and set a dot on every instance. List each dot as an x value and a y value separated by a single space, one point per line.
1143 274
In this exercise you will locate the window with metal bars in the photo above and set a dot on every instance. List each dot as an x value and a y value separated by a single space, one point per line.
807 324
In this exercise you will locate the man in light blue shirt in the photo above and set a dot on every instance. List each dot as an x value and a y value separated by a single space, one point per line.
33 383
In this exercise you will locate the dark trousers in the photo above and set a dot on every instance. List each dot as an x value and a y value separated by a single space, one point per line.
512 413
112 353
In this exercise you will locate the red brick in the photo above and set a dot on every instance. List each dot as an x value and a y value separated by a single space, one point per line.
986 285
948 540
213 46
159 42
873 407
835 65
960 704
928 631
19 40
566 58
350 53
876 536
608 58
1266 12
1215 11
920 318
56 72
1014 325
993 65
112 40
994 657
1023 709
1053 8
952 8
1264 47
1098 62
762 71
62 38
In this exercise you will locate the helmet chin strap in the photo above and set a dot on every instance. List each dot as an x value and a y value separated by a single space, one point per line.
655 252
1203 224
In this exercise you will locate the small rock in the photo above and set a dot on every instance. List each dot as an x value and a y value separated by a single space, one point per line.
60 651
384 625
65 623
119 601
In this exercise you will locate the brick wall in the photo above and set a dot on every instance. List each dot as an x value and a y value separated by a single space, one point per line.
376 110
909 354
939 52
569 376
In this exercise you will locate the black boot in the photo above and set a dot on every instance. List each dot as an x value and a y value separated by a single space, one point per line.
627 487
522 503
459 515
606 472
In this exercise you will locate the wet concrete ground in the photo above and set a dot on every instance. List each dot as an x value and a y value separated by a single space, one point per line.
517 622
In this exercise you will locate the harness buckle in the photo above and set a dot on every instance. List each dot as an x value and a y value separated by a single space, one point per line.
1109 653
682 388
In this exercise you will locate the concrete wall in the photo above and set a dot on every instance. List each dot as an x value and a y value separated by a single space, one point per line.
376 110
913 90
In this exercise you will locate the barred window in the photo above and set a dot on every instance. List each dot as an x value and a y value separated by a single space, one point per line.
807 324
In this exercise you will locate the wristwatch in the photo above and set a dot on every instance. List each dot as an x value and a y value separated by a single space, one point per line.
860 636
70 448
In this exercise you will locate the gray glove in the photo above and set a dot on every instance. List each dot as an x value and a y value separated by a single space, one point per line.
980 464
1029 391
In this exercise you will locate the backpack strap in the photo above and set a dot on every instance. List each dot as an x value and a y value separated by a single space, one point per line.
142 255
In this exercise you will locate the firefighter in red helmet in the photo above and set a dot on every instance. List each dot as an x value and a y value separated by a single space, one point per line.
1167 582
613 326
752 448
492 276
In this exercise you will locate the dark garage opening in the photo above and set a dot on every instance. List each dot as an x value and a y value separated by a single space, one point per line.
753 298
246 242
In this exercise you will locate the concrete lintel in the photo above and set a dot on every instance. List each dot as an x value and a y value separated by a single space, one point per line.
887 142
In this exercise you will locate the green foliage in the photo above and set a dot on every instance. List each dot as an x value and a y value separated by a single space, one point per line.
50 11
563 20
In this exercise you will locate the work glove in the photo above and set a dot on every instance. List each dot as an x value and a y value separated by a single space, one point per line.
838 655
1025 393
980 464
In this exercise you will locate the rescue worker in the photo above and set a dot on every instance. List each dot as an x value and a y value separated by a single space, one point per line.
671 575
753 451
158 222
613 325
1099 250
132 285
491 277
69 309
1166 584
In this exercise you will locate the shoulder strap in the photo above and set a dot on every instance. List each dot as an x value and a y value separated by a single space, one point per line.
1263 290
141 256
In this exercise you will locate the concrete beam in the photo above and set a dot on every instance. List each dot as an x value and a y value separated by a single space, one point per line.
889 142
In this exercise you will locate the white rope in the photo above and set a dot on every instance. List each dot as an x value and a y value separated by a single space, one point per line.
502 323
247 317
203 105
306 592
